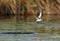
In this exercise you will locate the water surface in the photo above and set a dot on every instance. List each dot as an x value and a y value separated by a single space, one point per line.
44 30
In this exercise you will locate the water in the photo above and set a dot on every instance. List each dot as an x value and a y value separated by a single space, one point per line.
44 30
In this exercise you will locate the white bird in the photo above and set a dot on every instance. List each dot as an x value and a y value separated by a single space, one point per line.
39 17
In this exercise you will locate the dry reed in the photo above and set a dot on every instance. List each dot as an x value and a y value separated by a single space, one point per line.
29 6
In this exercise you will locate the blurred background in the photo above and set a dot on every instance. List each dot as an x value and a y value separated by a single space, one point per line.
20 15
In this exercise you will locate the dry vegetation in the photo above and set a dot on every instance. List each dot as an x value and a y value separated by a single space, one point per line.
25 7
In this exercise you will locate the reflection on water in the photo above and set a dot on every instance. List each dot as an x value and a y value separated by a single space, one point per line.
45 31
30 37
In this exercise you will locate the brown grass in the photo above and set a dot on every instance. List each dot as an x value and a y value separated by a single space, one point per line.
29 6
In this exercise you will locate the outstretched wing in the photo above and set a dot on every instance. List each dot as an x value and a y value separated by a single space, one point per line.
40 15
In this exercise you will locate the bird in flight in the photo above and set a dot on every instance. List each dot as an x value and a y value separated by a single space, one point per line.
39 17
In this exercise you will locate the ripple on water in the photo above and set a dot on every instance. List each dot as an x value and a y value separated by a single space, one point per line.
30 37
